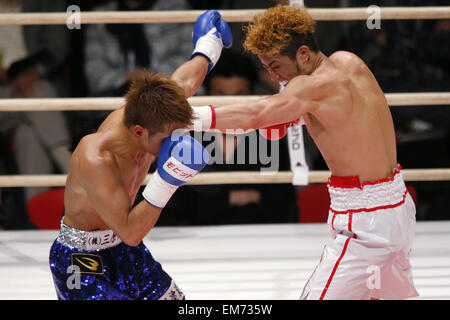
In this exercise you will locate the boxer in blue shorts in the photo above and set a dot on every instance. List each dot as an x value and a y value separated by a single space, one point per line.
99 253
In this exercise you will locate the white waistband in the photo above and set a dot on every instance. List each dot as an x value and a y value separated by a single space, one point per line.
87 240
370 196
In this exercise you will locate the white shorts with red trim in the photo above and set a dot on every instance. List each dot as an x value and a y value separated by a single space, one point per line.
372 226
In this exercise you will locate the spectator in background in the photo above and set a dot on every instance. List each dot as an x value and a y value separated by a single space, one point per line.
12 44
116 54
51 39
32 142
235 74
40 139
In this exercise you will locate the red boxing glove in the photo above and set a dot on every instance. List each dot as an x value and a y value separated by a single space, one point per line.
275 132
278 131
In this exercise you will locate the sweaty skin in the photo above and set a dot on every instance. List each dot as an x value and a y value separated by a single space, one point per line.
344 108
109 166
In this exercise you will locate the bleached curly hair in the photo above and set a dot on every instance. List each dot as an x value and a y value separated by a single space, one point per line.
281 29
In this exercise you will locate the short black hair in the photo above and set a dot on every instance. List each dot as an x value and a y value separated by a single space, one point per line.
23 65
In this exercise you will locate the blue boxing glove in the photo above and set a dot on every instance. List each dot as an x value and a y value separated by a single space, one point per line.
211 33
180 158
225 32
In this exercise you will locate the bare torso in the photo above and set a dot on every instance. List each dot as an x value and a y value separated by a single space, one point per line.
360 140
79 210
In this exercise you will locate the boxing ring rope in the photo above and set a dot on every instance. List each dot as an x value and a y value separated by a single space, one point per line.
236 177
322 14
73 104
242 177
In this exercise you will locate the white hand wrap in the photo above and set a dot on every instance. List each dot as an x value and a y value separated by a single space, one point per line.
158 192
209 45
205 118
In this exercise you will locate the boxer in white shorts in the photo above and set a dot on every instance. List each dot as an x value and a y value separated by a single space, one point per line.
372 226
346 113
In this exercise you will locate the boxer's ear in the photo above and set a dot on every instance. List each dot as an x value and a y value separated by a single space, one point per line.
138 131
303 54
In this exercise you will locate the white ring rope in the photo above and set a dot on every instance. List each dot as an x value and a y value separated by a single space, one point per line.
66 104
234 177
241 177
72 104
235 15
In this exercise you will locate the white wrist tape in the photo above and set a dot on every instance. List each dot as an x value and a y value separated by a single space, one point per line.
210 46
204 118
158 192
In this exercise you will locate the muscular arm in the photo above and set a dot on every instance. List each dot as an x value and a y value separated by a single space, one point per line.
304 94
190 75
291 104
112 202
260 114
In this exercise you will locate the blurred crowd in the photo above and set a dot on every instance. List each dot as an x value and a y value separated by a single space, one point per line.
101 60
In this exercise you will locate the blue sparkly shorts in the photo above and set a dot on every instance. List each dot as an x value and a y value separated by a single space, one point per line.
97 265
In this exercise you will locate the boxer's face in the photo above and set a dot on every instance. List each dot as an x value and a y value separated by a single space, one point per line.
148 142
155 140
281 68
